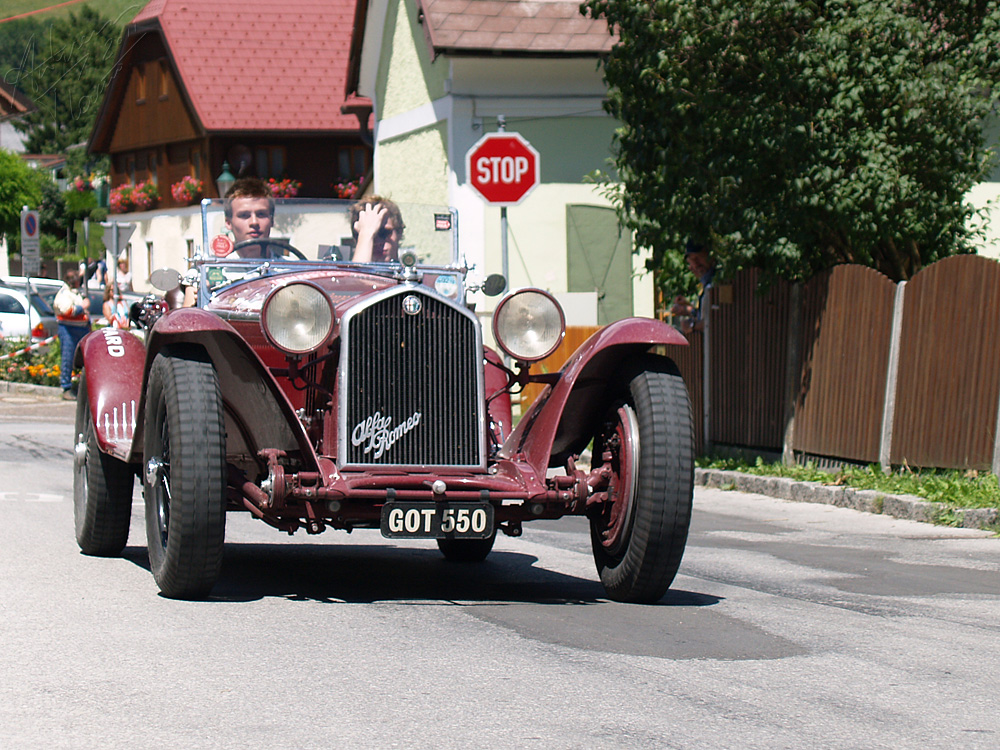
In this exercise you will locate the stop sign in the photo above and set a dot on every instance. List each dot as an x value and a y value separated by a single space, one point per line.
503 168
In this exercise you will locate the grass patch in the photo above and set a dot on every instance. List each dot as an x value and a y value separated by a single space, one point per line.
957 489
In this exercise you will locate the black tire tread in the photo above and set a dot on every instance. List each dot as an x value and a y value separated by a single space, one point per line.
466 550
185 386
662 514
103 517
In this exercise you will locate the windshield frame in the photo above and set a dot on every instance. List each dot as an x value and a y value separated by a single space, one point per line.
212 207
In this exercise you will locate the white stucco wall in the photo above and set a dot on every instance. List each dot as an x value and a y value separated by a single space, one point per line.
432 112
413 168
10 138
986 195
405 61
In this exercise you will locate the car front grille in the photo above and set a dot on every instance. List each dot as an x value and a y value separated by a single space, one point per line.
411 383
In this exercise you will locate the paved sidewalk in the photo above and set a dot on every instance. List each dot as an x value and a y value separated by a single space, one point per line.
868 501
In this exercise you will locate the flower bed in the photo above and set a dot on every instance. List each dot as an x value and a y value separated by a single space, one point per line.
39 368
284 188
187 191
346 189
129 197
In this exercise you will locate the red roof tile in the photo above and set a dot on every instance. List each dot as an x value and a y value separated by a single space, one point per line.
513 26
260 64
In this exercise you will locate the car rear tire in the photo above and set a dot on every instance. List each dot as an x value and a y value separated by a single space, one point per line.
466 550
638 535
102 488
184 474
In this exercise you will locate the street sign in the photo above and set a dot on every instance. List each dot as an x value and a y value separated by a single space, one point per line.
31 262
116 236
503 168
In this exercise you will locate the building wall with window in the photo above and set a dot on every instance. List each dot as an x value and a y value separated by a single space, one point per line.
177 103
432 104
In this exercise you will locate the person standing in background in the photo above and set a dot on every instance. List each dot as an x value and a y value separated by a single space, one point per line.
123 276
701 264
73 313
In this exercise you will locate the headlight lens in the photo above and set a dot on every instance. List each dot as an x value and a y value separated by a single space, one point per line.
529 325
298 318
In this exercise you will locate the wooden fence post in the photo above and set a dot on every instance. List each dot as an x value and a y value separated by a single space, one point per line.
995 467
706 370
891 378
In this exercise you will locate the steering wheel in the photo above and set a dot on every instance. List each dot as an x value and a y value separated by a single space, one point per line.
265 242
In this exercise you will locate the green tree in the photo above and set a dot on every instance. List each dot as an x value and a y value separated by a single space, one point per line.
19 45
18 187
795 135
65 74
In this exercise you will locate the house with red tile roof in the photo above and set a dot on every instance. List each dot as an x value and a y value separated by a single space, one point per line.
441 74
257 84
13 104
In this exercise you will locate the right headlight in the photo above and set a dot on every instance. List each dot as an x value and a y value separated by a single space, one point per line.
529 325
297 318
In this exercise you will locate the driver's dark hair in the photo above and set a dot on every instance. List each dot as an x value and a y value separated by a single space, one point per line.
247 187
392 212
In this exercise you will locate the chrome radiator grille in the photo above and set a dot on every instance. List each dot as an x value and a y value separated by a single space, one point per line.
411 384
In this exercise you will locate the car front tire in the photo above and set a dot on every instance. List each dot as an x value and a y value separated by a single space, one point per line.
639 533
184 474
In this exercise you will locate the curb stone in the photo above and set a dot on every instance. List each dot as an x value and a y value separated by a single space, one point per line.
7 386
907 507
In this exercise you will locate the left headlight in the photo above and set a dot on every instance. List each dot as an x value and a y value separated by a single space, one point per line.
529 325
297 318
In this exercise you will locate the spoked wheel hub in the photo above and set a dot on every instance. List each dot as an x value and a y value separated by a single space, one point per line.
620 451
158 478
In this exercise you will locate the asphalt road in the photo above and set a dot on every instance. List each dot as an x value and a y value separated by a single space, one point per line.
790 626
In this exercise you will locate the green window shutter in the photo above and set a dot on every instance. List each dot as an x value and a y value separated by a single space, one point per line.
599 258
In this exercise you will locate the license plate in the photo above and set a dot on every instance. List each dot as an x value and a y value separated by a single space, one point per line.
437 520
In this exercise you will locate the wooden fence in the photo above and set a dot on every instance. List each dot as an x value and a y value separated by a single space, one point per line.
851 366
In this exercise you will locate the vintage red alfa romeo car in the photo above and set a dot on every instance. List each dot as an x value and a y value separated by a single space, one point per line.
323 394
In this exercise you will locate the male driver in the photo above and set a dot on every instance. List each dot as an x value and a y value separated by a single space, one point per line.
249 211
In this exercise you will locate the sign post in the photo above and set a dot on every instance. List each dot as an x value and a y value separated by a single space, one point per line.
503 168
31 262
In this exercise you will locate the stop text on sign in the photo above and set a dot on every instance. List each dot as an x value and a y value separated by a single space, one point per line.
503 168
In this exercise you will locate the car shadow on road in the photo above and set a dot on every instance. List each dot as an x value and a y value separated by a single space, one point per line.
374 573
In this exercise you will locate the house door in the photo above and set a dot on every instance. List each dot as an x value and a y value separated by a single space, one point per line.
599 258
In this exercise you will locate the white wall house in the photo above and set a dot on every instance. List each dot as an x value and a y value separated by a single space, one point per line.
440 74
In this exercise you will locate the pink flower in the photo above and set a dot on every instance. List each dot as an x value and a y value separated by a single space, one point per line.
286 188
187 190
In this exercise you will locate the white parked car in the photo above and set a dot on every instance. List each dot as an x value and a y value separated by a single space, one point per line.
21 320
48 288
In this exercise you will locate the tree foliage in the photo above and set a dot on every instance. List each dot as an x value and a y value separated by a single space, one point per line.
795 135
19 187
64 73
19 44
